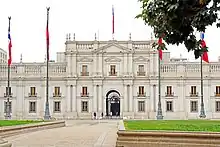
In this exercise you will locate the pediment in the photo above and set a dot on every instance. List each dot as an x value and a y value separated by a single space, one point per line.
85 59
112 59
140 59
113 48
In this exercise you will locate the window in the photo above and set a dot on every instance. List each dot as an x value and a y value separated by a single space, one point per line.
57 107
84 70
217 106
194 106
57 91
169 106
141 106
8 91
32 107
84 106
32 91
217 91
193 91
84 91
112 70
5 107
169 91
141 91
141 70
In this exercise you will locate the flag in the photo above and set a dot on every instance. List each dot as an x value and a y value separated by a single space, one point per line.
9 43
113 20
47 34
160 41
204 56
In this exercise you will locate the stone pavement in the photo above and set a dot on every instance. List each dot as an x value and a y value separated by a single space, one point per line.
77 133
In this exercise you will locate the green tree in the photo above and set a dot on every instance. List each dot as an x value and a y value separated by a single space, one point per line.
176 21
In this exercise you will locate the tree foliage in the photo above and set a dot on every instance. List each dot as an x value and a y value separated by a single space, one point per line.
178 20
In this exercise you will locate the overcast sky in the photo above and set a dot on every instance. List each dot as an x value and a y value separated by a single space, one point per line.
83 17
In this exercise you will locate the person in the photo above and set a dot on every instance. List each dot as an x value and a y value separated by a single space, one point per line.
102 114
94 115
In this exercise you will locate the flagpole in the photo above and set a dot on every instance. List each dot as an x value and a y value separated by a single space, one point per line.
8 113
202 111
47 109
159 109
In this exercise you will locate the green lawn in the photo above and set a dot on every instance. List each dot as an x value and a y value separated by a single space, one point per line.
174 125
16 122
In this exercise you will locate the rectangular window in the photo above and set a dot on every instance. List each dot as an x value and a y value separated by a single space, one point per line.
57 91
8 91
141 90
169 91
112 70
217 106
84 90
194 106
141 71
32 107
193 90
217 91
169 106
57 107
141 106
32 91
84 106
85 70
5 107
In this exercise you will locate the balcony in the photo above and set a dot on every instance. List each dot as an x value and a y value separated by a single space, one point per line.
141 94
57 94
10 94
169 94
112 73
217 94
195 94
32 94
84 94
141 73
84 73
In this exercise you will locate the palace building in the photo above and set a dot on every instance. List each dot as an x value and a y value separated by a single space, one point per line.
114 77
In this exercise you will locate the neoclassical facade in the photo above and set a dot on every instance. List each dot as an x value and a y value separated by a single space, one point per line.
113 77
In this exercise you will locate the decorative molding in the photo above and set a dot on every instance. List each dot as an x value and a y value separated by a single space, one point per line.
140 59
112 59
85 59
125 49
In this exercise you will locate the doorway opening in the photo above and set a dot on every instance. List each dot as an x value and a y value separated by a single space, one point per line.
113 103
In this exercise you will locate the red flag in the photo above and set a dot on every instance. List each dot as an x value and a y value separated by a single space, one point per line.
9 43
205 56
160 41
113 20
47 34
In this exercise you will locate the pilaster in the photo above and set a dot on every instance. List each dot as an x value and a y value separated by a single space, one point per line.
100 100
94 98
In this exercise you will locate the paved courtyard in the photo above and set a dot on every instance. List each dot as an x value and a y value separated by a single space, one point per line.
77 133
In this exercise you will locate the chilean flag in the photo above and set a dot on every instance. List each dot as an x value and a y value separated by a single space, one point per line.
113 20
9 43
203 44
160 41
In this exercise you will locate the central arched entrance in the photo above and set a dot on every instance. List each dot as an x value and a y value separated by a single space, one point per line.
113 103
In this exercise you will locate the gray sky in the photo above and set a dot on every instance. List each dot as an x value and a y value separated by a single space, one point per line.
83 17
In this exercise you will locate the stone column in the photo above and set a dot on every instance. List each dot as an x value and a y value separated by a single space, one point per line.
68 99
74 98
94 98
131 102
95 64
100 101
125 64
69 65
130 64
100 63
73 66
125 98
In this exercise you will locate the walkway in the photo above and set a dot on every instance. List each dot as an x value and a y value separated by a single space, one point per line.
77 133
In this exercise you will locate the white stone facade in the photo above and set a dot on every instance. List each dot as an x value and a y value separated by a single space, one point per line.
87 70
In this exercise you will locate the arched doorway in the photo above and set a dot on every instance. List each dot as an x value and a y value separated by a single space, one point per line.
113 103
